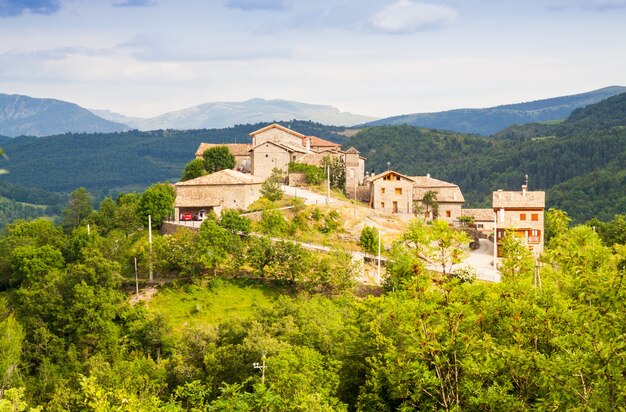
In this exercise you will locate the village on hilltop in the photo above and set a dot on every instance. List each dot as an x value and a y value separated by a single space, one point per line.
274 147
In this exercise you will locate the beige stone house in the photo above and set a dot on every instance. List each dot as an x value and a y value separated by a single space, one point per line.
448 195
484 219
391 191
274 146
226 189
523 213
398 193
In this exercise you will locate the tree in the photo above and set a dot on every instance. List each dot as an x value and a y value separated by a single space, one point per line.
77 210
11 337
369 239
218 158
157 201
270 189
213 244
337 169
430 203
193 169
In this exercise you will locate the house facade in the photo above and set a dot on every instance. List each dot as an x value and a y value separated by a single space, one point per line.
521 213
397 193
226 189
392 192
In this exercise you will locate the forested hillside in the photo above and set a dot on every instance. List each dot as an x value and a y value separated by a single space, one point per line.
242 323
579 161
121 161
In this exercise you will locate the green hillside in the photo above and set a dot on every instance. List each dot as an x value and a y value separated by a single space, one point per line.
560 158
121 161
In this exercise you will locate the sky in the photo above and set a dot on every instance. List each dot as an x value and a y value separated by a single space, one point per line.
372 57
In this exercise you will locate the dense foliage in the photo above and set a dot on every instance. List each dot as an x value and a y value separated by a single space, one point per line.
70 341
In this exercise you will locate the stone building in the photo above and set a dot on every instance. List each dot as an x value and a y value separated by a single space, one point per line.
275 146
522 213
226 189
398 193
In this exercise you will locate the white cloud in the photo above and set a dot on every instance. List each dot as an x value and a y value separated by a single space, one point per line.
407 16
258 4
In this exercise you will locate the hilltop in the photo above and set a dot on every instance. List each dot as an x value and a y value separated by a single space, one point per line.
490 120
28 116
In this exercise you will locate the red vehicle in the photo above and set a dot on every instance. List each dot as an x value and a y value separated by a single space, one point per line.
186 216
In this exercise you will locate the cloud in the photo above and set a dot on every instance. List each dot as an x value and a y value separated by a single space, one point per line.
134 3
13 8
163 47
407 16
258 4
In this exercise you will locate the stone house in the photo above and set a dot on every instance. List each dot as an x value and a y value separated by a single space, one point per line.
448 196
391 191
484 220
226 189
398 193
274 146
523 213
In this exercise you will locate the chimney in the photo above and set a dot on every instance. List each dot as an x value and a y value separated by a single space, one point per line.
428 175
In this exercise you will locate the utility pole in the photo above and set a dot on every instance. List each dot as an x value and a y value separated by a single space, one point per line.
261 366
136 278
150 242
328 184
378 277
355 199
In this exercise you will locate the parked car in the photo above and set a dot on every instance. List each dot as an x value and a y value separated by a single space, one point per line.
186 216
201 215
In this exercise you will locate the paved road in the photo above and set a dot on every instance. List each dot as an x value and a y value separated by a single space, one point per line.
481 259
310 198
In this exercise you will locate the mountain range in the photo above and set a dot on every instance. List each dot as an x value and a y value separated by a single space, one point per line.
493 119
23 115
227 114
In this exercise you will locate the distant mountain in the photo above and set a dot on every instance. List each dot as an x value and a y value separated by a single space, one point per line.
490 120
227 114
23 115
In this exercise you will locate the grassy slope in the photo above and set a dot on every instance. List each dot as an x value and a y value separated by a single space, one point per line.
212 304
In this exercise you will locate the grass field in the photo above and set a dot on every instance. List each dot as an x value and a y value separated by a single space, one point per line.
212 303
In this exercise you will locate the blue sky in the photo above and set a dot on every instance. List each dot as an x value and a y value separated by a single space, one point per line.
374 57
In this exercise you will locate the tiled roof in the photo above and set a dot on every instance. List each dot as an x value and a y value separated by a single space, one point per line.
479 214
277 126
287 146
352 150
237 149
446 192
317 142
385 173
194 199
223 177
502 199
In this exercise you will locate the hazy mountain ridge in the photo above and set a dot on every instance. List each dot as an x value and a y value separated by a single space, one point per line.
24 115
216 115
490 120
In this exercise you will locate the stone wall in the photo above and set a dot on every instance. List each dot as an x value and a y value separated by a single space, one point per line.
297 179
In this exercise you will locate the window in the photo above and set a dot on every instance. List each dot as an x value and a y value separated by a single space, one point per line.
534 217
382 205
382 190
522 216
448 213
398 190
